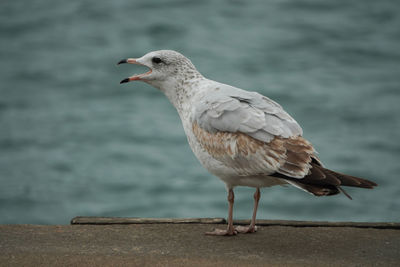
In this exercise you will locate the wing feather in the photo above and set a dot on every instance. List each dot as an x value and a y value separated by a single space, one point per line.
234 110
249 156
250 133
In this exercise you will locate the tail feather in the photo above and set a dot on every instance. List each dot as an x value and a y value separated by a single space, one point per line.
324 182
344 192
348 180
316 190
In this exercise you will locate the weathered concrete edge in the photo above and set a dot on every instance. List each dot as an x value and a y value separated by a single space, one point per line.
120 220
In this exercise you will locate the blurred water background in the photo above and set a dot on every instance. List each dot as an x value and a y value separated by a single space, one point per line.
75 142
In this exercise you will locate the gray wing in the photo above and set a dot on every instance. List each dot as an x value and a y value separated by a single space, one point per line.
250 133
234 110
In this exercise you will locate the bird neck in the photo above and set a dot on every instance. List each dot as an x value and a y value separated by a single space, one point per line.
182 96
181 90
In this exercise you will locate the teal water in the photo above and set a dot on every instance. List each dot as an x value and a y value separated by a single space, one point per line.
75 142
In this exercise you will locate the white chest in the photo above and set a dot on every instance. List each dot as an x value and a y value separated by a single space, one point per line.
212 165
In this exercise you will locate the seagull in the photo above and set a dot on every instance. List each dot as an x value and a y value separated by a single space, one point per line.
242 137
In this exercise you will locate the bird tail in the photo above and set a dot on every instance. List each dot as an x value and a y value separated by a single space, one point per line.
325 182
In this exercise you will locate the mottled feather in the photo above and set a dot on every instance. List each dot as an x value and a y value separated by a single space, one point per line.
249 156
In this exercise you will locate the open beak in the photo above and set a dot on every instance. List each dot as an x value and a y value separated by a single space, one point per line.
135 77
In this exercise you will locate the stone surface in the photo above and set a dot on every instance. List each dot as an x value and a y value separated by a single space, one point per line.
169 244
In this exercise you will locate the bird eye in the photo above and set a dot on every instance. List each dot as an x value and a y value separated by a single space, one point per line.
156 60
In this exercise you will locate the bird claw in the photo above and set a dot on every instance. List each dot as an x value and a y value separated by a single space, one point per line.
222 232
246 229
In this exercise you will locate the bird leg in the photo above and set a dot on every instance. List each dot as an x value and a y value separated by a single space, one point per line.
252 227
230 230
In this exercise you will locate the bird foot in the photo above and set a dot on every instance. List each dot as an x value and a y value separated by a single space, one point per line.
222 232
246 229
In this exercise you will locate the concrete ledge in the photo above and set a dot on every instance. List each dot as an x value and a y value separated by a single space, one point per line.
174 242
119 220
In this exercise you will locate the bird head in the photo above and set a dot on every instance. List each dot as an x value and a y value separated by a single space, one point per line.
165 67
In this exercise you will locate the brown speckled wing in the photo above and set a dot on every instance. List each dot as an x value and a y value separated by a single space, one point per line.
248 156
